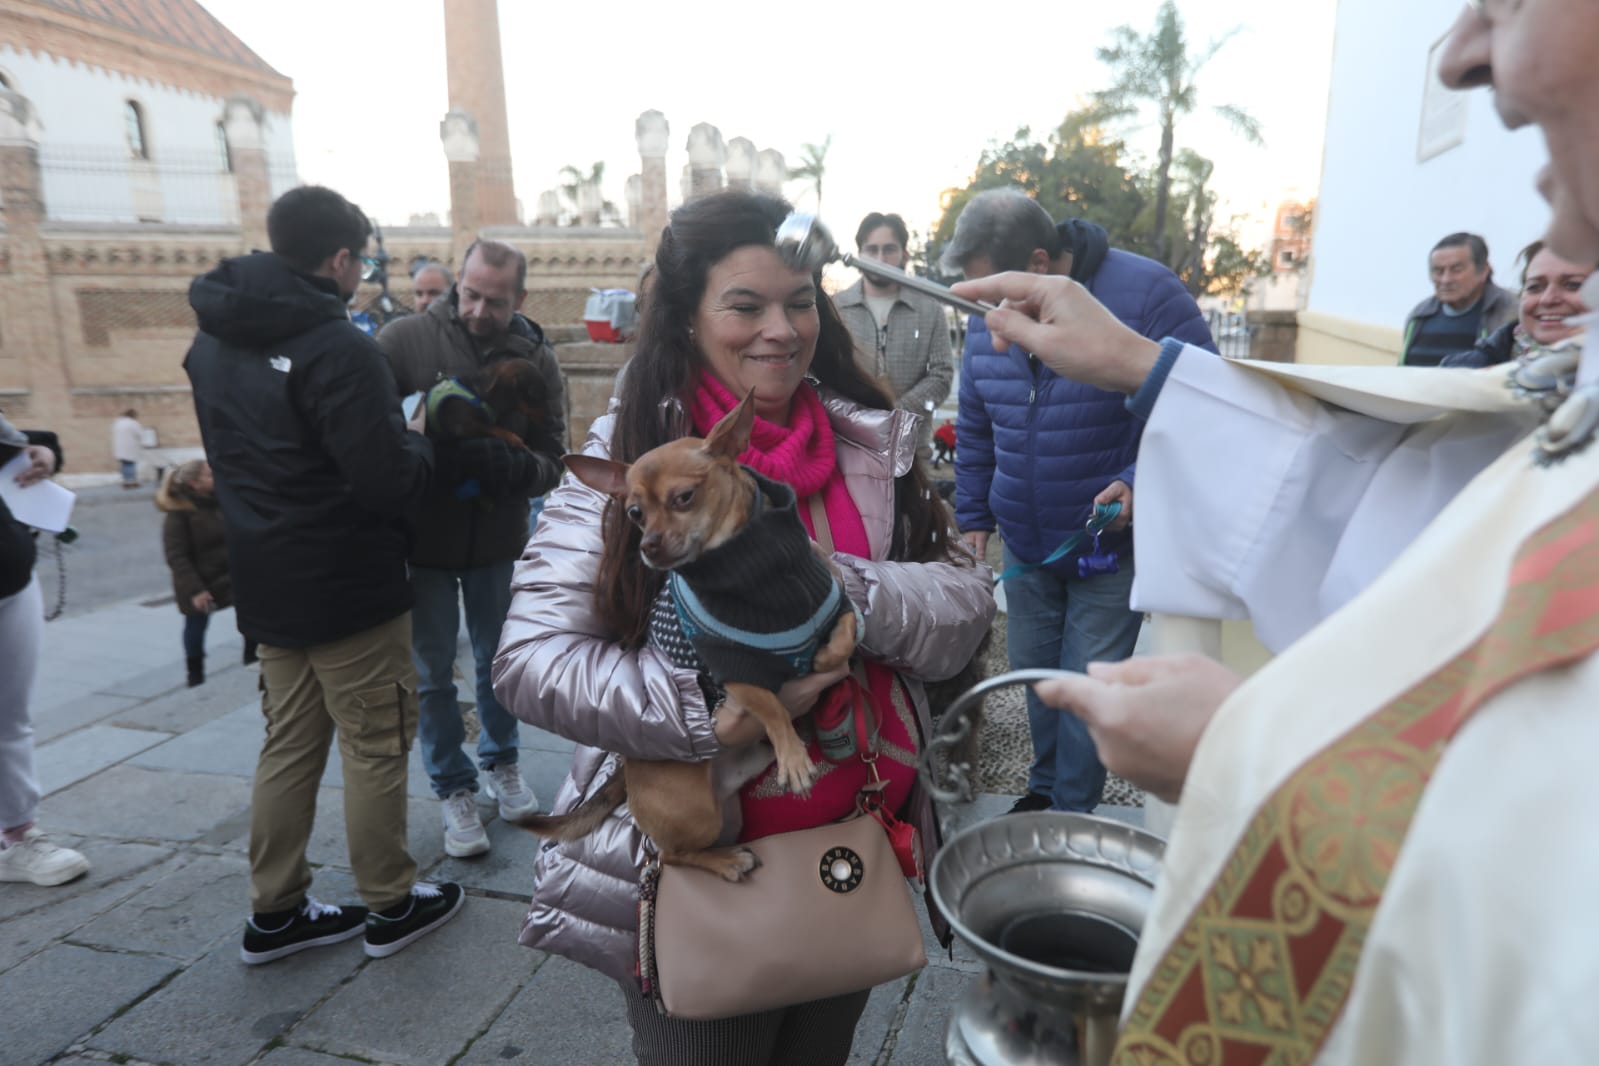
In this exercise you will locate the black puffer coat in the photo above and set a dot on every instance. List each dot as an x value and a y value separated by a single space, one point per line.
317 475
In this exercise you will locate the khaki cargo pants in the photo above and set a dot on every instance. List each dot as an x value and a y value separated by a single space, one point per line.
364 686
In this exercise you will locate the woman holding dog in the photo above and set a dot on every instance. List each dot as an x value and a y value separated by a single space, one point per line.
728 315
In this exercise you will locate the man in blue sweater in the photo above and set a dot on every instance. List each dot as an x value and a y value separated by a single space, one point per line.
1037 451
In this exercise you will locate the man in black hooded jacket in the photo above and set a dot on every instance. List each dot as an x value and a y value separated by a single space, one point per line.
318 478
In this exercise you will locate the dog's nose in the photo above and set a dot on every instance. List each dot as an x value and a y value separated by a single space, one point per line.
650 545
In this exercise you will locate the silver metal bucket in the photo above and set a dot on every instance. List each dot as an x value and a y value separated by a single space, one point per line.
1053 904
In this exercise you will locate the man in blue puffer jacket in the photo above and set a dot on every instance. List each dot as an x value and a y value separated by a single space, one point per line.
1037 451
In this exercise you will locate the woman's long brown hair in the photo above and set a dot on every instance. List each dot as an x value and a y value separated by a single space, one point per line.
655 396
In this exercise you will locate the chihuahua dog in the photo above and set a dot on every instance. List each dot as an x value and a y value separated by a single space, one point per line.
744 578
505 399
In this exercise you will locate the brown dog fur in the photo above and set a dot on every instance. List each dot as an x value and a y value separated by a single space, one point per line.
512 388
689 496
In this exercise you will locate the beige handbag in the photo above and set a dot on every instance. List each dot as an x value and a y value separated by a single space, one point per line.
827 912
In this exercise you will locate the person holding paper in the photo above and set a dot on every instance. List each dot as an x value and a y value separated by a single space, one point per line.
26 854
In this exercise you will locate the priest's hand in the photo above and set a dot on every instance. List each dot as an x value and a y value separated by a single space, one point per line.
1146 715
1059 321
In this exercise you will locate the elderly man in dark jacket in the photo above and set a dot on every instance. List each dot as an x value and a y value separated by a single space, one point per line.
473 528
1037 452
318 479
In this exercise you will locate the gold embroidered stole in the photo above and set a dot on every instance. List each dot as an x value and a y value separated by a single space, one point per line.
1263 967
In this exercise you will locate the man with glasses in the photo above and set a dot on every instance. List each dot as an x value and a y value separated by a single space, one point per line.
319 477
901 337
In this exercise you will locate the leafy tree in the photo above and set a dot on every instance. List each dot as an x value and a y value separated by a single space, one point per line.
1159 71
1079 173
812 167
1230 268
1189 233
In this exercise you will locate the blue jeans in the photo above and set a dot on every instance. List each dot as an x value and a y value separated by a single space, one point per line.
435 622
1066 623
194 626
130 471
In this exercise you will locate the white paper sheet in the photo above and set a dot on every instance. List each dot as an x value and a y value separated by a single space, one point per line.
42 505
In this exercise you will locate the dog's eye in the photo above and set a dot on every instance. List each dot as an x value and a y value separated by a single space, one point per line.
683 499
635 514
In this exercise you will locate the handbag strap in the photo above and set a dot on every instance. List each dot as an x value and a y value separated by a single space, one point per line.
819 524
866 704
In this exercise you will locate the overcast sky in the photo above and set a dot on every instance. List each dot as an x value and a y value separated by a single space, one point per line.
910 100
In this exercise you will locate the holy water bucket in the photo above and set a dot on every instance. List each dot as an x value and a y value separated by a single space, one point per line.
1052 903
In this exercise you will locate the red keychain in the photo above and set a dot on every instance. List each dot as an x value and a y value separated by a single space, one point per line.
902 836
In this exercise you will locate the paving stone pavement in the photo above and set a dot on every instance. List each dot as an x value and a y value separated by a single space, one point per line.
138 962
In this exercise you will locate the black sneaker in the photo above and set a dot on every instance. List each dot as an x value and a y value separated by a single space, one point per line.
429 907
1033 801
312 926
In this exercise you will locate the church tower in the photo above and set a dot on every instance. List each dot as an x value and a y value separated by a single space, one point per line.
477 87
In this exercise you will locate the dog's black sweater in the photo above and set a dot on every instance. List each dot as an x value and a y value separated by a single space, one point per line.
757 607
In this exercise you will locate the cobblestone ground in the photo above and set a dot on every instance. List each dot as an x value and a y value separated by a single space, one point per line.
1005 748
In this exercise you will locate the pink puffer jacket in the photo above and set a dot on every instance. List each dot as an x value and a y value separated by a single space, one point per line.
559 669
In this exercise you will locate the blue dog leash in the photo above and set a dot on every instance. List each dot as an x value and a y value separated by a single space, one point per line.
1104 515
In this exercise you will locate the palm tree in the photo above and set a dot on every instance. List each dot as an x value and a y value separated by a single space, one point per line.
1159 71
573 181
813 165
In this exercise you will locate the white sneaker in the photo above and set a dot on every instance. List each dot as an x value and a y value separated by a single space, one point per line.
516 798
36 859
463 830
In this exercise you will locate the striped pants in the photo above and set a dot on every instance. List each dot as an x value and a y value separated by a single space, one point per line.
818 1033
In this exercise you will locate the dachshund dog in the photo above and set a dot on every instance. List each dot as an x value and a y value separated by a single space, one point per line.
505 399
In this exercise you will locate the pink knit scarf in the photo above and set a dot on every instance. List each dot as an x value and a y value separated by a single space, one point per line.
802 454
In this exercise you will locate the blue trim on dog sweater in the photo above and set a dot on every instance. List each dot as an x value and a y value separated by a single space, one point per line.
797 644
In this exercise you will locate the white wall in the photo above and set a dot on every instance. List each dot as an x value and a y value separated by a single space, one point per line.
281 166
89 172
1380 211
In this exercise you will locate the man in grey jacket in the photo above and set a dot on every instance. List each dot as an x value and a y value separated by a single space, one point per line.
472 527
901 337
1465 305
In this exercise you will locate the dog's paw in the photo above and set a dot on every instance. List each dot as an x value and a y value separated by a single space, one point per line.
796 773
743 863
839 647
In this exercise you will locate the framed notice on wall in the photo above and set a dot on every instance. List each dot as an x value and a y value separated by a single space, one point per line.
1443 111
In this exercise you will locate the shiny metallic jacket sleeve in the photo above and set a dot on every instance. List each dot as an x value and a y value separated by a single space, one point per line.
558 667
924 619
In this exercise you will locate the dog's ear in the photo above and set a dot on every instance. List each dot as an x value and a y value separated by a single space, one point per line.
730 438
601 475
